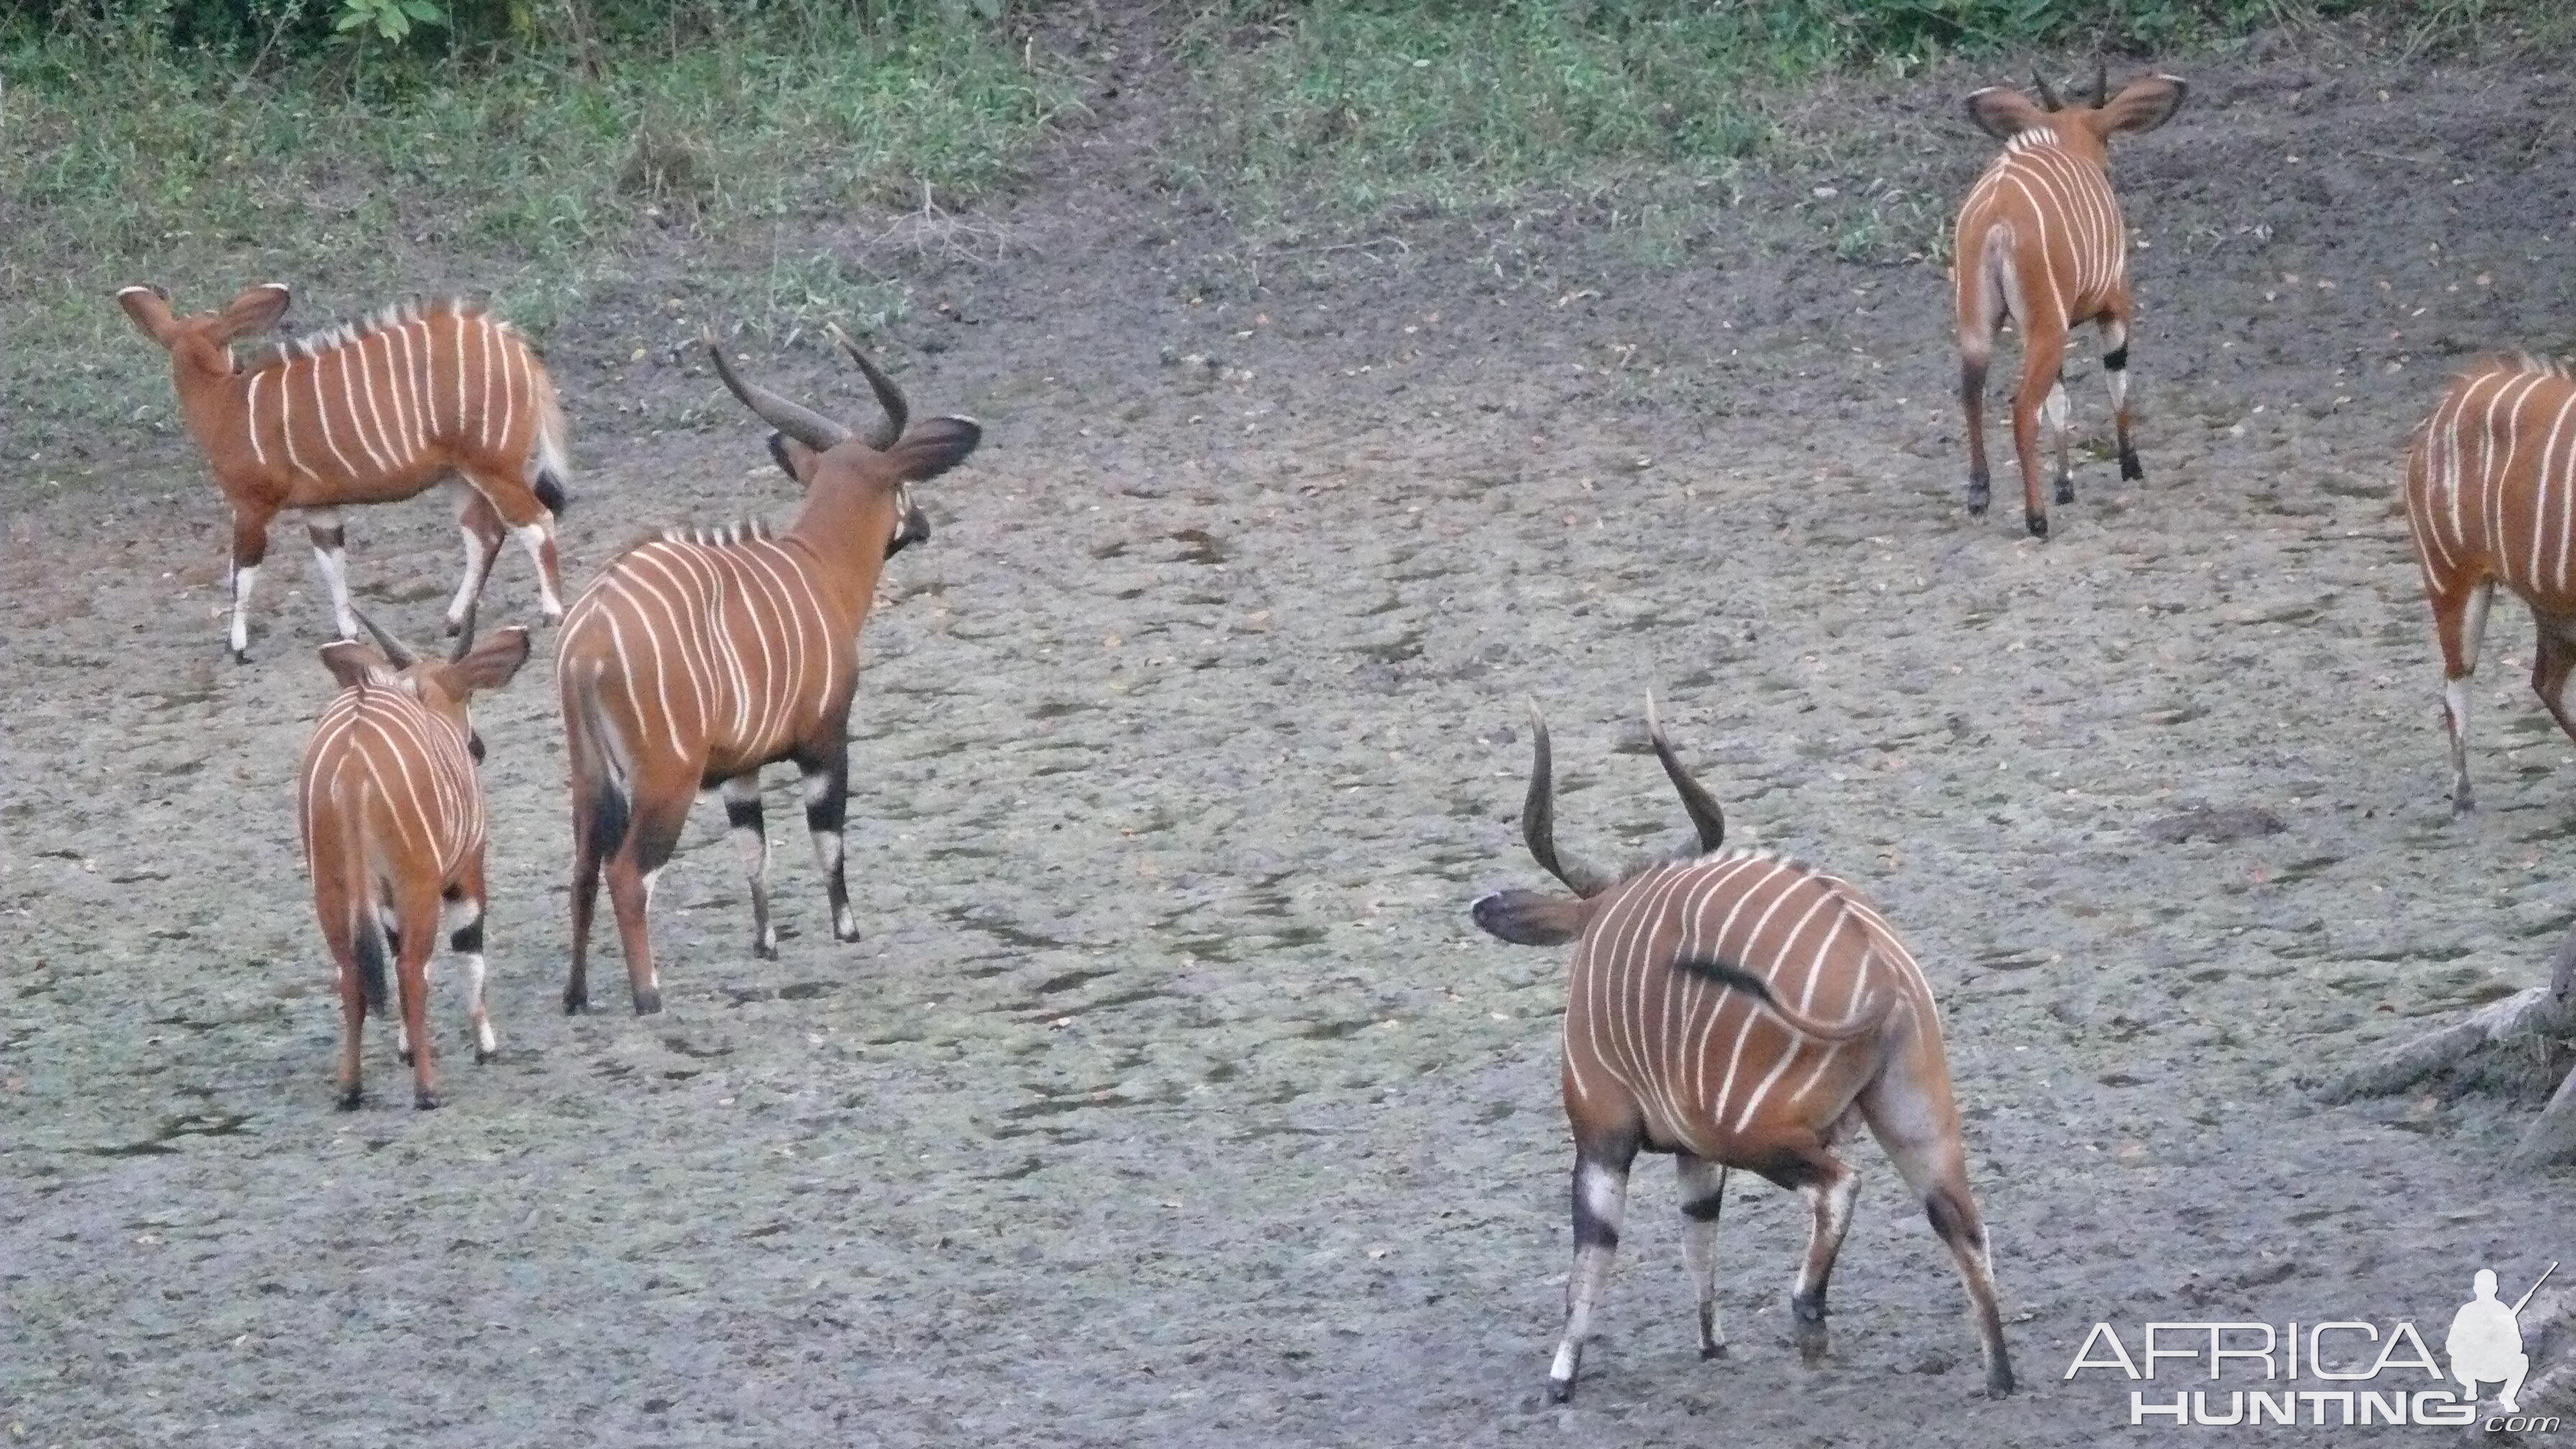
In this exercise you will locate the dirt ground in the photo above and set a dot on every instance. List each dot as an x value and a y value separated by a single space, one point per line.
1171 1097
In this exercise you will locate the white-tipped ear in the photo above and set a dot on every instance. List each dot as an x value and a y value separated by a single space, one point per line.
149 307
257 309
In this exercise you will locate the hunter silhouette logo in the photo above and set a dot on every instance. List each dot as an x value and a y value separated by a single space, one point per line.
2343 1373
2485 1342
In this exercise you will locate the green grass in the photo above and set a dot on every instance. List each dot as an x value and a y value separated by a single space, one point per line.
518 180
1347 111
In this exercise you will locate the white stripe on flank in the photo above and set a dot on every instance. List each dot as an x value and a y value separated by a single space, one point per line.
483 422
322 415
2561 470
456 432
512 379
286 420
250 425
364 386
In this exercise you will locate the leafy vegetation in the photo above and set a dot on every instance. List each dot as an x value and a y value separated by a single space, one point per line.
362 169
540 151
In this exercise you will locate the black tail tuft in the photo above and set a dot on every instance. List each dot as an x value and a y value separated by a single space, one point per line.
550 492
1727 974
369 948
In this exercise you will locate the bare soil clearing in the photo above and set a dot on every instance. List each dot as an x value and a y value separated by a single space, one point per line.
1172 1098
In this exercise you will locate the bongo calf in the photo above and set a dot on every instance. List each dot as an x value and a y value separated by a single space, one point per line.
368 414
2040 240
392 820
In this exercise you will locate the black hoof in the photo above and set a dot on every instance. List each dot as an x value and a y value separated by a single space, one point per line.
483 1058
647 1002
2129 468
576 1002
425 1101
2065 490
1976 510
765 950
405 1057
1712 1350
1559 1390
451 628
2038 523
240 656
1999 1382
844 936
352 1099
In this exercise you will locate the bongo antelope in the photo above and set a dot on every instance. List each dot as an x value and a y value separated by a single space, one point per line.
696 658
392 820
2491 498
2039 240
1739 1010
368 414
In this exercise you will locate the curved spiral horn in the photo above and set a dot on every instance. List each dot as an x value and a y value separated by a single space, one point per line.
2101 83
465 632
1538 818
2047 97
1705 816
399 654
799 422
889 397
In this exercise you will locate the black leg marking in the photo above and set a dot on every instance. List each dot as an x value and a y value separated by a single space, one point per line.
467 939
750 831
827 809
2117 359
333 537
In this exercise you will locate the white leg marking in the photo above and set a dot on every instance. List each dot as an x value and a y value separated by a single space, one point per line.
243 578
478 562
1605 1197
533 537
